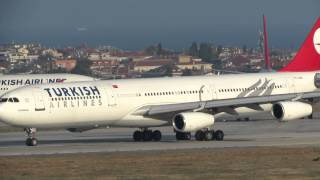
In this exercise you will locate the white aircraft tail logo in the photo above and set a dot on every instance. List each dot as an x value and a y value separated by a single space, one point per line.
316 40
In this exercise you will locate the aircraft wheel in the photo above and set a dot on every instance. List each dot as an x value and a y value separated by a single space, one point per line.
219 135
31 142
187 136
200 135
137 136
208 135
156 135
28 141
147 135
179 135
31 133
183 136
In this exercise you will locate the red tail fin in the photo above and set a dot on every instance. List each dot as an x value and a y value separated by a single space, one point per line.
308 56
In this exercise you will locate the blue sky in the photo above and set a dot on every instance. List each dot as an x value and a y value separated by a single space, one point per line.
134 24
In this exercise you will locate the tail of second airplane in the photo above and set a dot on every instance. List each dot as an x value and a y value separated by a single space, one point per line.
308 56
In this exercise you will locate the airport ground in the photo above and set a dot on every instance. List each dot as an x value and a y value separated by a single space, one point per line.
222 163
263 149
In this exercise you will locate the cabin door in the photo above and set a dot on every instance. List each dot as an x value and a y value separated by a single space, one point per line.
112 99
38 100
291 85
207 93
213 91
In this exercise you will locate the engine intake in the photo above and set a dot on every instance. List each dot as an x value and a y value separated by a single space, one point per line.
289 110
192 121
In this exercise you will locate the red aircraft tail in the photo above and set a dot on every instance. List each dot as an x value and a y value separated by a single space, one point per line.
308 56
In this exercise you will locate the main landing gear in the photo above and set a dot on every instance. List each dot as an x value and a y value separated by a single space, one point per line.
202 135
183 135
147 135
31 134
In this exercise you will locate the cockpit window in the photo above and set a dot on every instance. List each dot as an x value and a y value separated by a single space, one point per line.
14 99
3 100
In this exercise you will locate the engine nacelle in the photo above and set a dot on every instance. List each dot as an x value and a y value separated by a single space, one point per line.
192 121
289 110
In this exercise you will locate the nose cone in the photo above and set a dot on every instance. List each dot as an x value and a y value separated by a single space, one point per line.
1 110
4 112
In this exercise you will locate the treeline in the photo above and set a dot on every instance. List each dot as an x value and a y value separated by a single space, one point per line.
207 52
157 50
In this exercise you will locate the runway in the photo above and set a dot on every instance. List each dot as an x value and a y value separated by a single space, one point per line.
237 134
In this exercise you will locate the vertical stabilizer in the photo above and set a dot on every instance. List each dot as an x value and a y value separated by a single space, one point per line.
308 56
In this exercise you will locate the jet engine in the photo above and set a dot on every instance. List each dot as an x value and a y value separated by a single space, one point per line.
192 121
289 110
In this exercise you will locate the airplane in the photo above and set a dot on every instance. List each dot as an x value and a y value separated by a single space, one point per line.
189 104
10 82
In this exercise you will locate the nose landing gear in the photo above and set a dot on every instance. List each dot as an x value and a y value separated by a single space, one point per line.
31 134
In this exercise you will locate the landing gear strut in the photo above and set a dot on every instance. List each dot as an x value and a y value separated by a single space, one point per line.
31 134
147 135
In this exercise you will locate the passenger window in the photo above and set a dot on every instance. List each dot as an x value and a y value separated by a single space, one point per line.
10 100
15 100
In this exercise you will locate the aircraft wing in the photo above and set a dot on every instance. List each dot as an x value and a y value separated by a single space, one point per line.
235 102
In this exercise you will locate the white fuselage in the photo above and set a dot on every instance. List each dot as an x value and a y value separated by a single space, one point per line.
119 102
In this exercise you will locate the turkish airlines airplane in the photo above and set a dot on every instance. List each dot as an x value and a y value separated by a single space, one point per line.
190 104
10 82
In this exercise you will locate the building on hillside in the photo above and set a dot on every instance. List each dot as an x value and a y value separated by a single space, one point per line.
133 55
196 66
185 59
23 51
21 58
53 52
4 56
67 64
94 56
147 65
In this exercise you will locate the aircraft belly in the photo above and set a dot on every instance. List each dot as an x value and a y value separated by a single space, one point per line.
139 121
61 118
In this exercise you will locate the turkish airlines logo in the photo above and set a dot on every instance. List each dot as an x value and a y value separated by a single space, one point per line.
316 40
